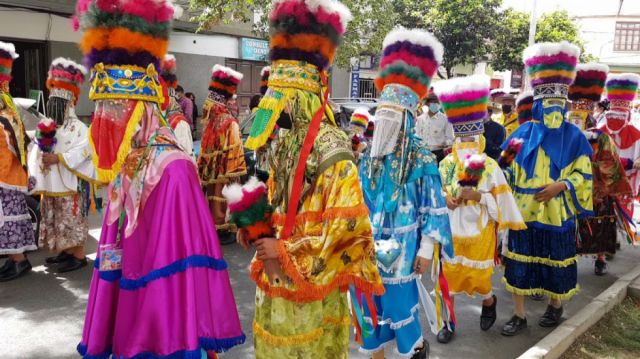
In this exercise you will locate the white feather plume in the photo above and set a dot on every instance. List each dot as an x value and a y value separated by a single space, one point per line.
10 48
550 49
416 36
229 71
65 62
232 193
624 77
461 84
593 66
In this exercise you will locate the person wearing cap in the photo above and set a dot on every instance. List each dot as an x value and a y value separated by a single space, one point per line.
160 286
172 109
16 231
433 129
322 244
621 90
506 98
64 178
551 178
403 191
221 158
611 187
481 205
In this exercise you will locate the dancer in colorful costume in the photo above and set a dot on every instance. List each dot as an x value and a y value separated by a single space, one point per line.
160 288
323 236
221 158
506 98
357 126
612 191
16 231
172 109
622 90
64 177
551 178
479 199
403 191
524 104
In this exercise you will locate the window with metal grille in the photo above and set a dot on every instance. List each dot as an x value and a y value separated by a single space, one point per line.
627 36
367 89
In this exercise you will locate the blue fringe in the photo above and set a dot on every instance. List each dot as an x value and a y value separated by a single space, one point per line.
206 344
195 261
109 276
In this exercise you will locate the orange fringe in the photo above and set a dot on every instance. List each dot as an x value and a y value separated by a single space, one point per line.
217 85
64 85
305 42
259 230
586 90
455 112
331 213
103 38
308 292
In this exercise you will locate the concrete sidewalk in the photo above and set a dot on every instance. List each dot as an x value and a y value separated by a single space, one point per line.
41 315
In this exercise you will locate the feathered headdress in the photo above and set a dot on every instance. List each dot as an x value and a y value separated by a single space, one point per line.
622 89
7 56
168 68
551 68
503 94
65 79
465 101
360 118
409 60
524 107
224 81
304 37
589 83
124 42
264 79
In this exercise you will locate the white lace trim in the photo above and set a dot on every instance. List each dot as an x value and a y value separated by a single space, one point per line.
397 230
470 262
400 280
17 218
396 325
434 211
21 250
22 189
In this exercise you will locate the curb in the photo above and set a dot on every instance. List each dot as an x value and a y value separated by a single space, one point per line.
560 339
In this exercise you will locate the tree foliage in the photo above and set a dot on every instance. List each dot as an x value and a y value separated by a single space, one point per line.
511 38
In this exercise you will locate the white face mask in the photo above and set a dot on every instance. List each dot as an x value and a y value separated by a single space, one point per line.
385 136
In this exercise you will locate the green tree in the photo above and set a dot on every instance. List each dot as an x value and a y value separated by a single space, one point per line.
558 26
511 38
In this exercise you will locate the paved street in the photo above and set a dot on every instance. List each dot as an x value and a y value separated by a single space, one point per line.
41 315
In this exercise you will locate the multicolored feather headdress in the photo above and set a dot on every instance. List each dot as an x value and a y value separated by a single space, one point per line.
264 79
551 68
124 42
465 101
224 82
409 60
65 78
304 37
360 118
589 83
622 90
524 107
168 68
500 95
7 56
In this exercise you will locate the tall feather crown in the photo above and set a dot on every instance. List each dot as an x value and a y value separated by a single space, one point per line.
409 58
7 56
65 77
622 89
589 83
551 68
224 81
465 101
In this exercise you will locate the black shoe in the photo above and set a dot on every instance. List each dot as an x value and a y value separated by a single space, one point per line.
514 326
60 258
445 335
16 269
5 267
72 264
551 317
601 267
226 238
422 353
489 315
537 297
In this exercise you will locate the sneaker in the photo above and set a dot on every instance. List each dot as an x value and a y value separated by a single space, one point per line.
514 326
489 315
551 317
422 353
601 267
16 270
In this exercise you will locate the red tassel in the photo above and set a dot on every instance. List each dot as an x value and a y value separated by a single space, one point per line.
356 324
444 287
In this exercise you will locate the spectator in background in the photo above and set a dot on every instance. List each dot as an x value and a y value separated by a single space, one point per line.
191 96
434 130
494 135
187 106
598 112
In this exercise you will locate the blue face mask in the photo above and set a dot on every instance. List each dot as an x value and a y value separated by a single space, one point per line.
551 111
434 107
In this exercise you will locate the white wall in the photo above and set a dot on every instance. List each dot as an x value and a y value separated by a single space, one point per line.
599 35
25 24
208 45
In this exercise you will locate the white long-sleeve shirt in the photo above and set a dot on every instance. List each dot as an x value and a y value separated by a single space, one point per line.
435 131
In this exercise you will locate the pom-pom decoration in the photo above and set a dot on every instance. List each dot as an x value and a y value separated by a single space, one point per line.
474 166
409 58
65 78
524 107
46 135
509 154
360 118
622 89
551 63
168 71
249 208
7 55
465 101
589 82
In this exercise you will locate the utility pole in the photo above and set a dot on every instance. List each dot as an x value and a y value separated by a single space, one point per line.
532 39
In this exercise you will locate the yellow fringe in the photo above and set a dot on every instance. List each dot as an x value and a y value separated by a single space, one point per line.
286 341
276 106
92 181
215 153
337 321
538 260
541 291
500 189
55 194
108 175
8 101
515 226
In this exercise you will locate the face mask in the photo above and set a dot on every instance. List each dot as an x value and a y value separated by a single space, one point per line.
578 118
551 110
616 119
388 124
434 107
506 109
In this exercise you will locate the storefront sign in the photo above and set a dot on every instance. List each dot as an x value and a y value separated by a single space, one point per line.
254 49
355 80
